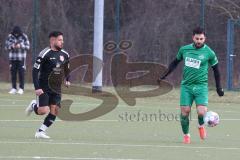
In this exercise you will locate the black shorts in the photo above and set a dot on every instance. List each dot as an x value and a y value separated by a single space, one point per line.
48 98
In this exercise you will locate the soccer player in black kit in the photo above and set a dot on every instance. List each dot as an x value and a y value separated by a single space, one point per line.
49 71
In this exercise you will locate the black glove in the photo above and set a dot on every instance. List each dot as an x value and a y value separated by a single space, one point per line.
220 92
160 79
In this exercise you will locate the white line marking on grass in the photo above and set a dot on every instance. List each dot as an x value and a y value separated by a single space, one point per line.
122 145
23 120
91 105
225 119
73 158
102 120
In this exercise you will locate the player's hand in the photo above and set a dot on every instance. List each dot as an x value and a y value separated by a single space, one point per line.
220 92
39 92
17 45
160 79
67 83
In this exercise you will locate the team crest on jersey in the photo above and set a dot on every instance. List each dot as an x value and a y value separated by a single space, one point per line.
201 57
61 58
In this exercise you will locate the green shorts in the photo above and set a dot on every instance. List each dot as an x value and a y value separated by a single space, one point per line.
197 93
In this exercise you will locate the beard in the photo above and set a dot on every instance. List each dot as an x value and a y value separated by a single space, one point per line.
58 47
198 45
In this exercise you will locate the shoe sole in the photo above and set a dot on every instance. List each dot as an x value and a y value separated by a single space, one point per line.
27 110
38 137
41 138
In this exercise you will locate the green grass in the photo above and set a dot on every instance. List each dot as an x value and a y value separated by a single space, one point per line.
111 137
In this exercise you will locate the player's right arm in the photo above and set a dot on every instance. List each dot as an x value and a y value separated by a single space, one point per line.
172 66
35 71
35 74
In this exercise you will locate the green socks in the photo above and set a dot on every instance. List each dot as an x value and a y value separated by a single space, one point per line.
200 120
184 123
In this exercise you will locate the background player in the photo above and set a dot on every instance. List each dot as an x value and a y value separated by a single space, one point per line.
194 86
50 67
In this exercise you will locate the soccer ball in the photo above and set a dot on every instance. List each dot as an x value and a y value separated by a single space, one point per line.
211 119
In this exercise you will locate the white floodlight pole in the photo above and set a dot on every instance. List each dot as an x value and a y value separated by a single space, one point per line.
98 44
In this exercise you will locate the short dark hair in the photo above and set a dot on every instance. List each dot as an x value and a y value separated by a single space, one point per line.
198 30
55 34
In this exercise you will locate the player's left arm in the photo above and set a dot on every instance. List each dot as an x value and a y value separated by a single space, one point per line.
67 72
213 61
217 77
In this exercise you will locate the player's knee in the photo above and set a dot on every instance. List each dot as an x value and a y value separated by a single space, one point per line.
201 113
43 110
54 110
201 110
185 111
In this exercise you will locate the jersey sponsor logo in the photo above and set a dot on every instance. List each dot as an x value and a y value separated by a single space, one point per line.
191 62
57 69
57 65
61 58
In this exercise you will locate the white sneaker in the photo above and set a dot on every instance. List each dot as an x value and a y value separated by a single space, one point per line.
20 91
42 135
29 108
12 91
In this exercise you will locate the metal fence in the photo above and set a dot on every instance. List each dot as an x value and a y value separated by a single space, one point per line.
155 28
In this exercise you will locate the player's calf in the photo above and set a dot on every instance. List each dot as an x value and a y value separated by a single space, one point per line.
202 132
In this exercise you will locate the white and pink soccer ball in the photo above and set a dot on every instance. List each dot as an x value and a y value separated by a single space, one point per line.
211 119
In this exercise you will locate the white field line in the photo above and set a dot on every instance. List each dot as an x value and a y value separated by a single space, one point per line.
64 158
100 120
122 145
173 102
225 119
91 105
22 120
88 105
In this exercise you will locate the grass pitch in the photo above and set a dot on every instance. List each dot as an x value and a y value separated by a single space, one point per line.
128 132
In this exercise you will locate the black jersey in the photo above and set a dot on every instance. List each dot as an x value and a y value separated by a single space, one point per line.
50 68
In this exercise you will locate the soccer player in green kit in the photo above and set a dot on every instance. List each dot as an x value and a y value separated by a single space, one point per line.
197 58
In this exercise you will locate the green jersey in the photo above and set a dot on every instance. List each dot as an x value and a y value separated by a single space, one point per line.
196 63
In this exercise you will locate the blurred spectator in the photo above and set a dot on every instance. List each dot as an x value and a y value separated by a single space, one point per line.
17 44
